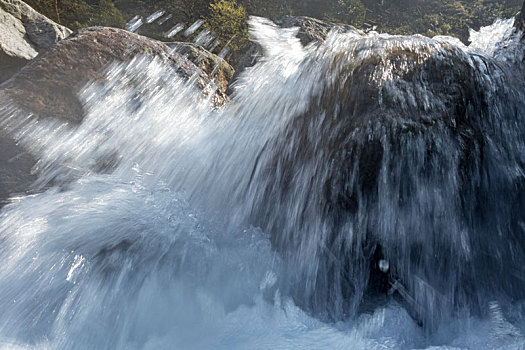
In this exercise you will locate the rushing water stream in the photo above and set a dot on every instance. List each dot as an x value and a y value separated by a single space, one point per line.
163 223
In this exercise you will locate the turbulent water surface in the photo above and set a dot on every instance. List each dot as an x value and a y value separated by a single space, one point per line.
162 222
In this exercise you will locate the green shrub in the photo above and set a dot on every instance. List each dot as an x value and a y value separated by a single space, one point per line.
348 11
76 14
106 14
228 21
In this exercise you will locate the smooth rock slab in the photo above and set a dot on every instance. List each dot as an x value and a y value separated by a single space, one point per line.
24 33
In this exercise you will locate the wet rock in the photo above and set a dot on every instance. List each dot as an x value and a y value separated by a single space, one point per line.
24 33
211 64
520 19
15 169
48 86
394 150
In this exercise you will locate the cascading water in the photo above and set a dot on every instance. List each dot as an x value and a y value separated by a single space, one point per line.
165 223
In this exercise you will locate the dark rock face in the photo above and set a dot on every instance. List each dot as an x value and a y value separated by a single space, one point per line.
520 19
407 146
15 169
48 86
24 33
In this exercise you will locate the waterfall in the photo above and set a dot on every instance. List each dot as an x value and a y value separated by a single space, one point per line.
364 192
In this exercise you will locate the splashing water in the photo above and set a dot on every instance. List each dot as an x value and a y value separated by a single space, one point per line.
174 30
154 16
165 19
134 24
498 40
198 23
165 223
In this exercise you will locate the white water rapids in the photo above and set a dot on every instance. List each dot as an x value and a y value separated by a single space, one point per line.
142 236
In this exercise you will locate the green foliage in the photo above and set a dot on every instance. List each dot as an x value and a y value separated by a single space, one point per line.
106 14
347 11
76 14
272 9
192 10
227 20
437 17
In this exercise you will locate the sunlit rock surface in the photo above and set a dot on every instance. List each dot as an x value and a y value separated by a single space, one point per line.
48 86
213 65
24 33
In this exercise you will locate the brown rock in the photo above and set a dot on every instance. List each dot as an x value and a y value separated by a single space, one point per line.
48 86
210 63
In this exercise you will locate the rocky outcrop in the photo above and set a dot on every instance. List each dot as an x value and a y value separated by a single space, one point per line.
24 33
48 86
211 64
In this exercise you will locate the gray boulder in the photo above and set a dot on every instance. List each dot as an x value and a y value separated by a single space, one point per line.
425 138
24 33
